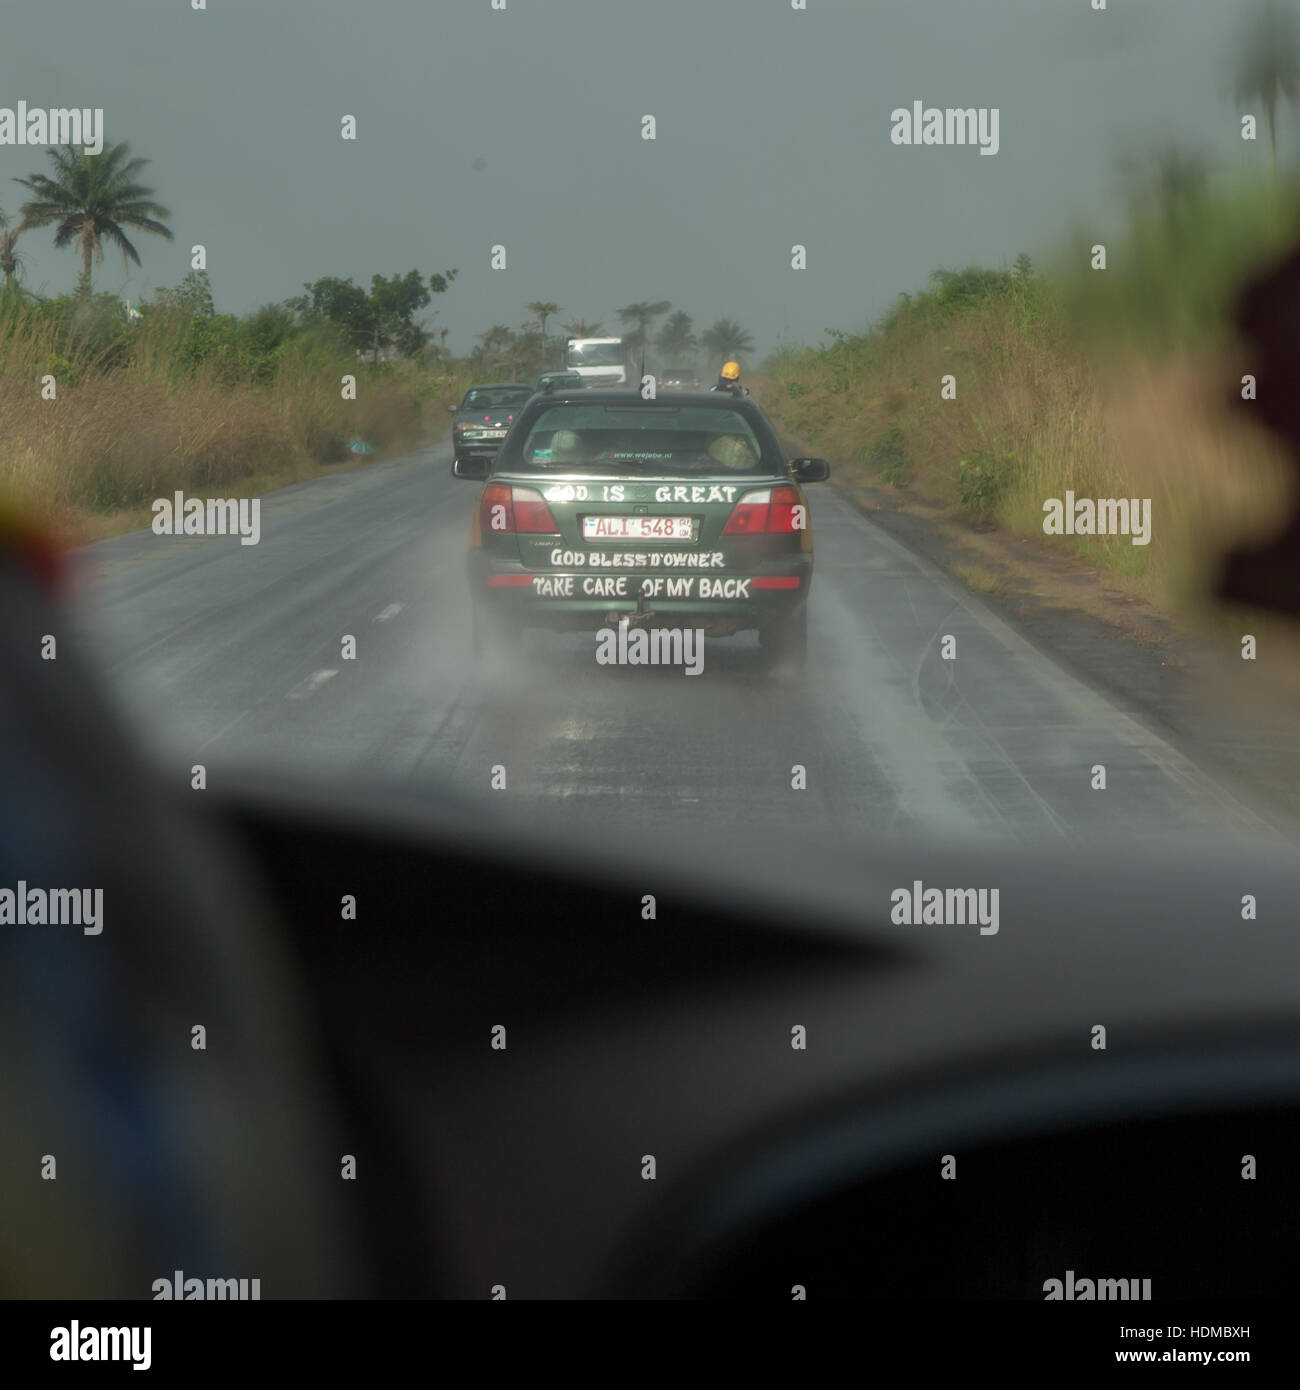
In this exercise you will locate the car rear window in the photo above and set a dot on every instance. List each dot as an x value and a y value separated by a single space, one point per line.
643 439
495 400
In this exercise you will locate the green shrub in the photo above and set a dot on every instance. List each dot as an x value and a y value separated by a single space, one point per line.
981 480
888 457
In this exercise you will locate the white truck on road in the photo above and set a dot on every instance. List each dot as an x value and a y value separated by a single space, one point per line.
599 361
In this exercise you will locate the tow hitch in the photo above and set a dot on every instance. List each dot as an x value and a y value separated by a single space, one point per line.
640 617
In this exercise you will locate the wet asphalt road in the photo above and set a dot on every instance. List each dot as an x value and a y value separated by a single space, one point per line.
230 656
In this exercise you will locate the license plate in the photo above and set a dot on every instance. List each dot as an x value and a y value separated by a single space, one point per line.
494 434
638 528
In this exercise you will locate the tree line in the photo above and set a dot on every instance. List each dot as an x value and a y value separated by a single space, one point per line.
98 201
94 201
502 350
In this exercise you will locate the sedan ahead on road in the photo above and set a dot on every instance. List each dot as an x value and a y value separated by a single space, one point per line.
681 512
483 419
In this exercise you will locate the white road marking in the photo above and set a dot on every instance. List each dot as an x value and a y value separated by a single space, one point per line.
391 611
225 728
311 685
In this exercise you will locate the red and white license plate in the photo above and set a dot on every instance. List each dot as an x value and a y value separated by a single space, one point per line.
638 528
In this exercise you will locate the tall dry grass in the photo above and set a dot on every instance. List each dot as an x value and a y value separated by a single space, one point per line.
119 434
1065 386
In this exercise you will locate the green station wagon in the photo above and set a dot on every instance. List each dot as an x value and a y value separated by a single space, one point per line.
678 512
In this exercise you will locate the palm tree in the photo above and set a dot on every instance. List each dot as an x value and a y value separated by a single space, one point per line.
529 351
92 198
1269 66
641 314
726 339
580 328
543 308
10 261
498 346
1180 182
677 338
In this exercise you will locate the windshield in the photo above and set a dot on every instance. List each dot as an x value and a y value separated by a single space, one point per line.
595 354
641 439
984 604
987 561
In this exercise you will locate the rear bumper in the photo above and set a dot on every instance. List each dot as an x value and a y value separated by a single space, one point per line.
476 448
715 600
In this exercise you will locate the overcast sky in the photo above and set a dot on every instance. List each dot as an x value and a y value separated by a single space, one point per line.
523 127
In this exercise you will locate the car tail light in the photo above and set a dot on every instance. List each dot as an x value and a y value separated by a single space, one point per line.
766 511
775 581
496 513
532 515
515 510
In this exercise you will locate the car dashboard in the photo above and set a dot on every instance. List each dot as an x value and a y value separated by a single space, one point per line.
636 1081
